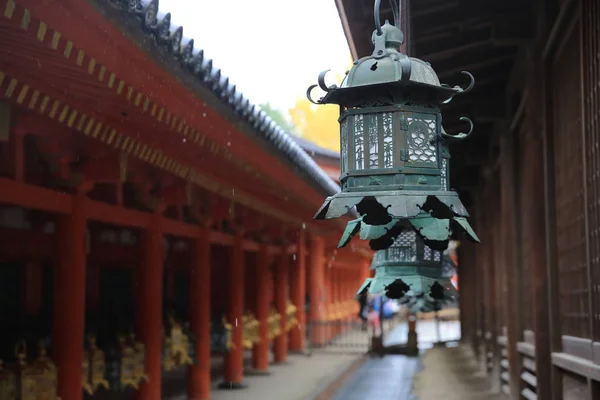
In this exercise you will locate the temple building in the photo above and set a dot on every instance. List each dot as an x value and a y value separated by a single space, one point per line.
156 227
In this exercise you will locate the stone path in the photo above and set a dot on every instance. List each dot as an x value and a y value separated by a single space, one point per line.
448 373
303 378
387 378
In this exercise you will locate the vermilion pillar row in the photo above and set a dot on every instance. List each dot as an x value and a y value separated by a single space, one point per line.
149 306
298 295
281 296
316 287
260 352
199 374
69 300
234 359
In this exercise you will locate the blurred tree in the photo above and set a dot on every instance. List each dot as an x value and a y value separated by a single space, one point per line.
318 124
277 116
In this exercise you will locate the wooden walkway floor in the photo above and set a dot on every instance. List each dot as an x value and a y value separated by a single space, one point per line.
452 374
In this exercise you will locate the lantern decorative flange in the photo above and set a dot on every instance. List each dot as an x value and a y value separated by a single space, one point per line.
394 157
409 268
433 225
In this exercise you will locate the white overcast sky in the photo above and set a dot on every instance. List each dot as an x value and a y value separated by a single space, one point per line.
271 49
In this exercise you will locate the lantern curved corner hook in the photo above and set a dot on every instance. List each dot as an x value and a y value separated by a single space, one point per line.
309 97
322 84
461 135
460 90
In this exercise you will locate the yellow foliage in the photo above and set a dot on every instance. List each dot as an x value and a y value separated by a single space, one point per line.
317 123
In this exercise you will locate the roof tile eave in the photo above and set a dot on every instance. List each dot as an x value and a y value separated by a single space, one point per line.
158 23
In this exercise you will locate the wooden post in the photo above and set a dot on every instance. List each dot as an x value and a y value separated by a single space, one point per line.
234 359
537 229
69 301
298 294
511 258
281 294
316 288
260 351
149 307
199 303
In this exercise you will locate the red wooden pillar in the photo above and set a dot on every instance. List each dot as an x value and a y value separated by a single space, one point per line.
199 374
316 287
149 306
260 352
69 301
234 359
281 296
298 294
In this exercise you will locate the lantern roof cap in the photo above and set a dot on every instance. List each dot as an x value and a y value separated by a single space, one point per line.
388 76
387 64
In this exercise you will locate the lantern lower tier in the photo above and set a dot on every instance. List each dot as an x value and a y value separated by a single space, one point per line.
435 232
380 207
423 304
408 286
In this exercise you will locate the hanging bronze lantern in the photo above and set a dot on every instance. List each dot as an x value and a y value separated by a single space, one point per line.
221 340
176 346
8 383
409 268
291 320
274 324
394 151
94 367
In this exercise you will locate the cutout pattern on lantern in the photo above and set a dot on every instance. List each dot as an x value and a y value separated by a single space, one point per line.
373 141
359 142
420 148
404 247
444 174
388 140
344 145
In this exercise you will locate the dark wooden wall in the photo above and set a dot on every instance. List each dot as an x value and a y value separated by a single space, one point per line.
531 291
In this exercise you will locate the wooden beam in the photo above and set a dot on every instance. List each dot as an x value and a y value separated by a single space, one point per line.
103 169
347 28
34 197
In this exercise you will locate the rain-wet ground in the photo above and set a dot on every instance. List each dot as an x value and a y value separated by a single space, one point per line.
301 378
447 372
391 377
426 332
386 378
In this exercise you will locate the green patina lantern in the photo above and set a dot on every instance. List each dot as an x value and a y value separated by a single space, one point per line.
410 269
394 150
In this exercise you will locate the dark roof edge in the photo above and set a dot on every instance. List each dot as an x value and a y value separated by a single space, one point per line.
315 149
191 59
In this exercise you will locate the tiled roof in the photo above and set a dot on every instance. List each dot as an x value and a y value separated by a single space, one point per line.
149 17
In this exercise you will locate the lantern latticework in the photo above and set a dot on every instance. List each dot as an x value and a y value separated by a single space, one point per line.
394 151
409 269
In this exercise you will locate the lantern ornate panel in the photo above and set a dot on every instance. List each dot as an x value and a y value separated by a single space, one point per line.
392 148
394 151
409 268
